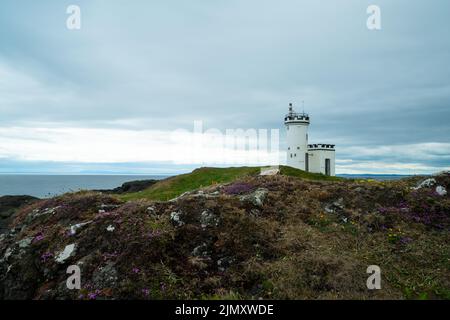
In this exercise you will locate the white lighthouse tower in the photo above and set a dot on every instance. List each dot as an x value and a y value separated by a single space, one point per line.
318 158
297 139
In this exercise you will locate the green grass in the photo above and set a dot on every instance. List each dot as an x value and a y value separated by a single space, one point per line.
292 172
173 187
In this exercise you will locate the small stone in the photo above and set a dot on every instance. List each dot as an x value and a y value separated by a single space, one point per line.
108 206
7 254
68 251
75 227
24 243
256 198
440 190
334 207
224 263
175 217
339 203
200 251
110 228
329 209
208 219
46 211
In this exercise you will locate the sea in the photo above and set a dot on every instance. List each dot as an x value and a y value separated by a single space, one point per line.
46 186
380 177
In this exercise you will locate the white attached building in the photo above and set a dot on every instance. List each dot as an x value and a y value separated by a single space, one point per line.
318 158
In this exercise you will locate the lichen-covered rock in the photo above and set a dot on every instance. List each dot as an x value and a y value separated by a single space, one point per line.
336 206
440 190
25 243
425 184
208 219
175 217
73 228
7 254
200 251
46 211
105 276
256 198
68 252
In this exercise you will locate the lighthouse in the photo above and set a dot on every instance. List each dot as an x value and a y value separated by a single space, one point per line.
317 158
297 139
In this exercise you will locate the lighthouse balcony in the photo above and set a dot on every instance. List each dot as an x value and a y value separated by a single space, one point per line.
321 146
296 117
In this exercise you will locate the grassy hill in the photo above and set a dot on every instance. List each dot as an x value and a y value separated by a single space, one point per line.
173 187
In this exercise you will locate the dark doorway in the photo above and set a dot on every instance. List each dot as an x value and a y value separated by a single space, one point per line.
306 162
327 167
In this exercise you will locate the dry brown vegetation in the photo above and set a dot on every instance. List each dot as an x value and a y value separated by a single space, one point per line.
304 240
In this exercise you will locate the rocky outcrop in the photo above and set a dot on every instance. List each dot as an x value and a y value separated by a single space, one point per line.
425 184
9 206
131 186
256 198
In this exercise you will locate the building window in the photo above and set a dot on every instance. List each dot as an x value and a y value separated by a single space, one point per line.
295 154
298 148
291 155
289 148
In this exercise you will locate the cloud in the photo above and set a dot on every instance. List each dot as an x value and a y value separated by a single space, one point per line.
83 148
81 145
137 71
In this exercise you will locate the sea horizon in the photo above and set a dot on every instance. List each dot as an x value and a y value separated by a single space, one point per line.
47 185
50 185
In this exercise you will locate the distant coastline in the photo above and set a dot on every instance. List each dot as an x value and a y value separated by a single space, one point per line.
375 176
47 186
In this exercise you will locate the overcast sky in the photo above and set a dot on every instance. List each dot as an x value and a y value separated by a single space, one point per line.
108 97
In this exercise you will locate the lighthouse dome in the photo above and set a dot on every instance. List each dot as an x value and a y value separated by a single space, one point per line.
293 117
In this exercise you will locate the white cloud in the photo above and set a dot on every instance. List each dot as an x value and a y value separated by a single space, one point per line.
418 151
382 167
91 145
96 145
420 158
